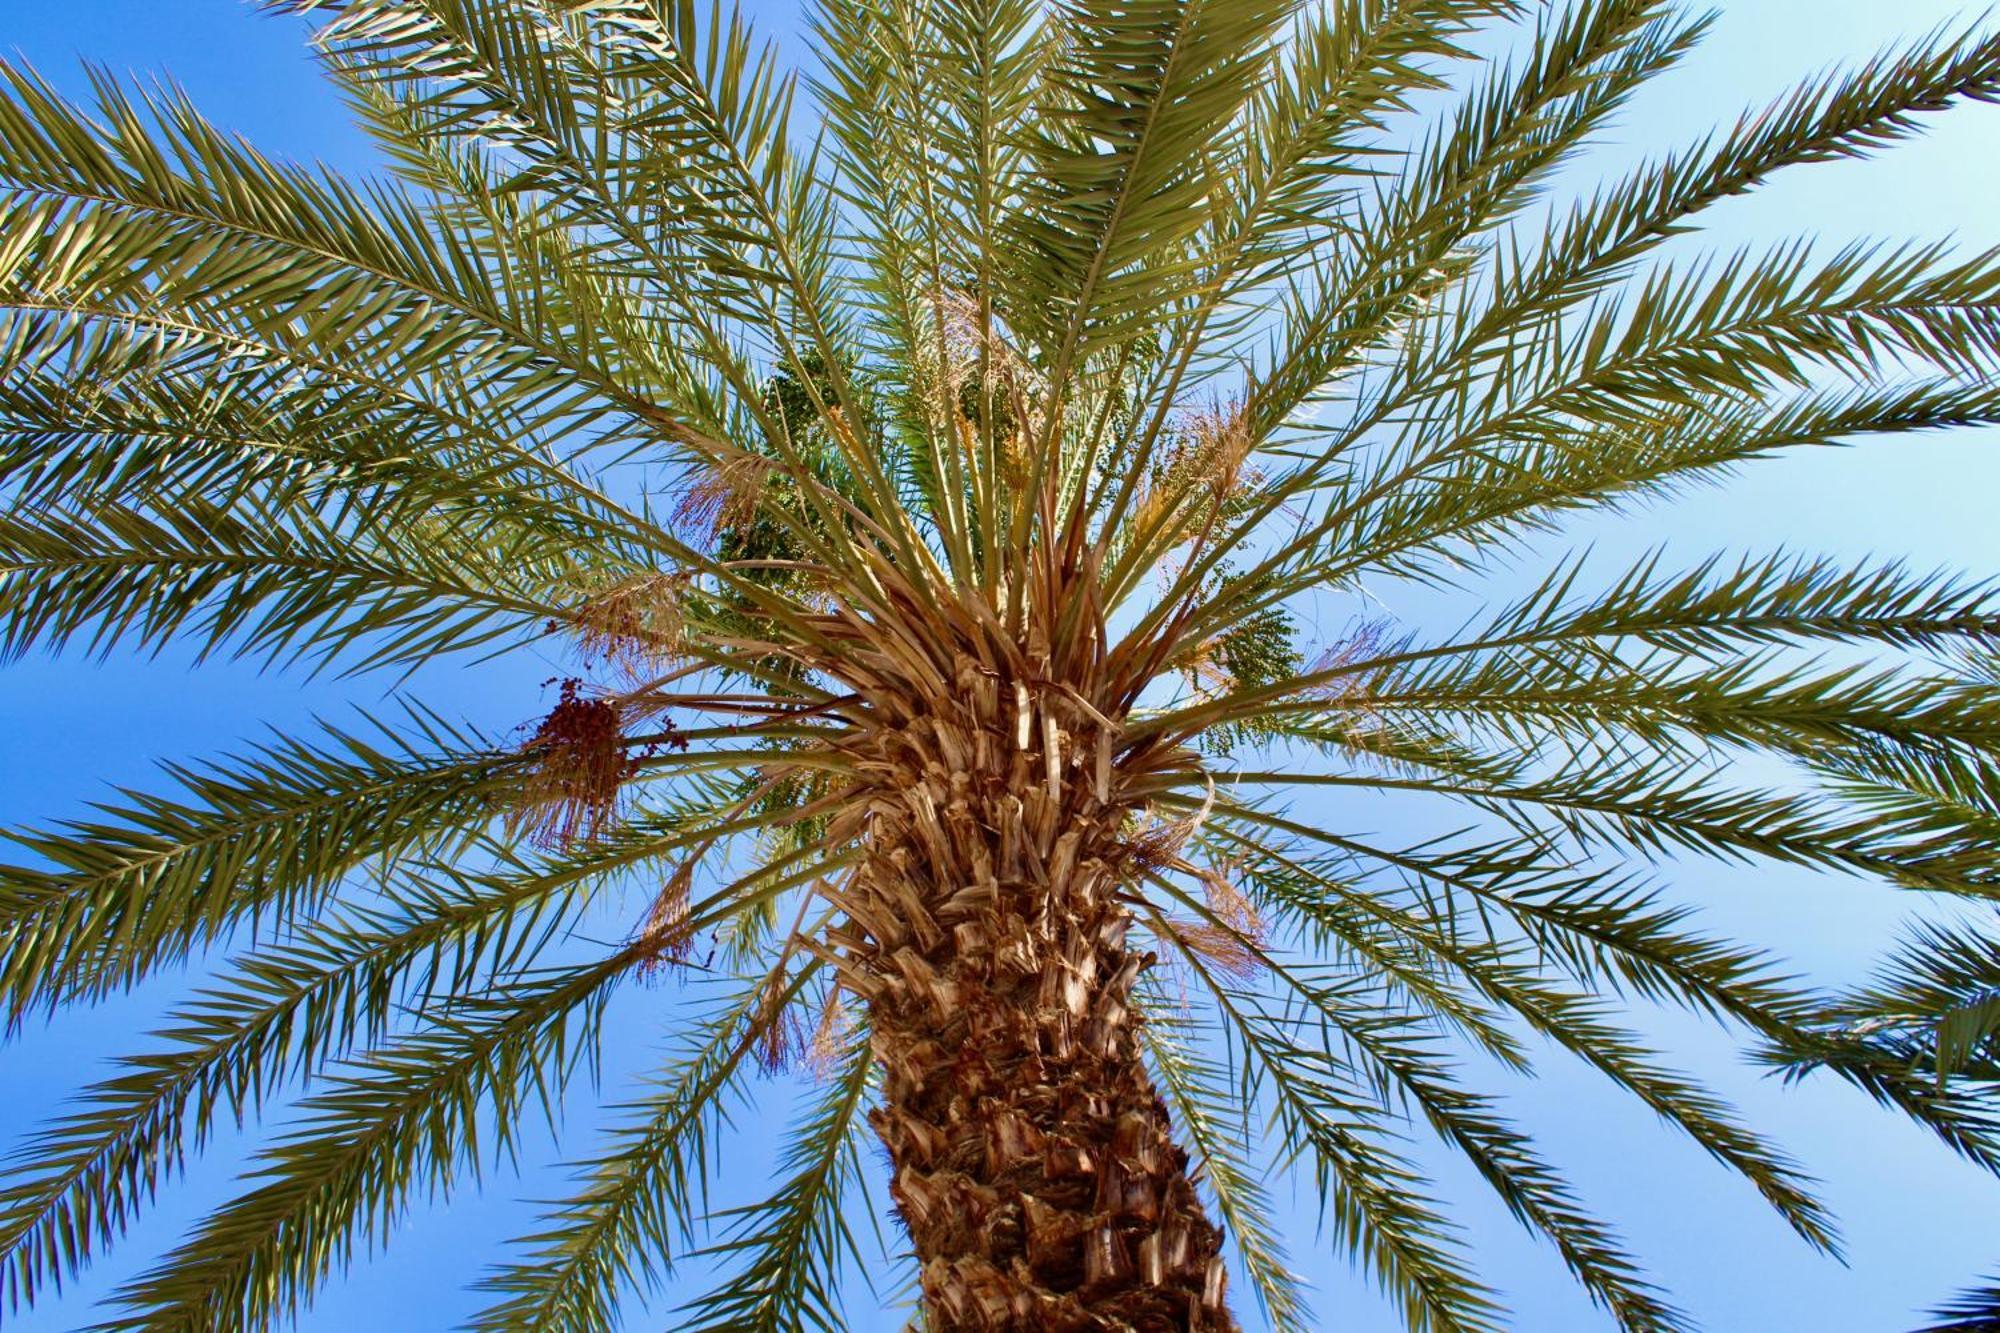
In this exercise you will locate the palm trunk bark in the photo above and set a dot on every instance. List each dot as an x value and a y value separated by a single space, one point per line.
1033 1161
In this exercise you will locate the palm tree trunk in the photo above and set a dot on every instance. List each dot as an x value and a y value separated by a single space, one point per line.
1033 1161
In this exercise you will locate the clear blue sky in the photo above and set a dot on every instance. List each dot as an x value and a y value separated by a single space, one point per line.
1917 1223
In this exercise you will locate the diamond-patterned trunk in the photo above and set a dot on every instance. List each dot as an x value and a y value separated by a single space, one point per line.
1033 1161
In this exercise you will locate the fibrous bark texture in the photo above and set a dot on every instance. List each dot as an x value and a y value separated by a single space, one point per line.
1033 1162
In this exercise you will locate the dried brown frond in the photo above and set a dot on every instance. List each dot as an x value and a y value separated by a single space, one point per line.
725 496
970 370
1204 670
956 312
967 340
571 793
1350 691
1016 457
1156 496
666 935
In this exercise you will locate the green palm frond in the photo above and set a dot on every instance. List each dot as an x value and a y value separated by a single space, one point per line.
279 584
1209 1113
1378 1205
639 1200
1403 1057
1467 180
1969 1312
260 840
1843 114
407 1118
1505 973
1948 981
335 984
356 272
1139 101
1316 127
794 1245
1532 1191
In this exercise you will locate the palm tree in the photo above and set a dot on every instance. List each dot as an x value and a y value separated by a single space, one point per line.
937 491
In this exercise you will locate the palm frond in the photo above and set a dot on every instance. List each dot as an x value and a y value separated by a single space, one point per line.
1400 1052
643 1195
1140 99
1975 1310
276 582
794 1245
1468 179
405 1117
1378 1205
1581 1023
358 268
1205 1106
1842 114
337 983
259 840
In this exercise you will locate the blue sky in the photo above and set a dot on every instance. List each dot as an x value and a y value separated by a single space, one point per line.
1917 1223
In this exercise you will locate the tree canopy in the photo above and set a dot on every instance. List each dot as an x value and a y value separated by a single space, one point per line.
1083 361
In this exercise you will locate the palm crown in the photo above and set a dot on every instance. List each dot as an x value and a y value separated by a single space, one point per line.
935 508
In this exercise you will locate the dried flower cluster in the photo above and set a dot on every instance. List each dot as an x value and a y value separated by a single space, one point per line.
637 625
723 496
666 935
